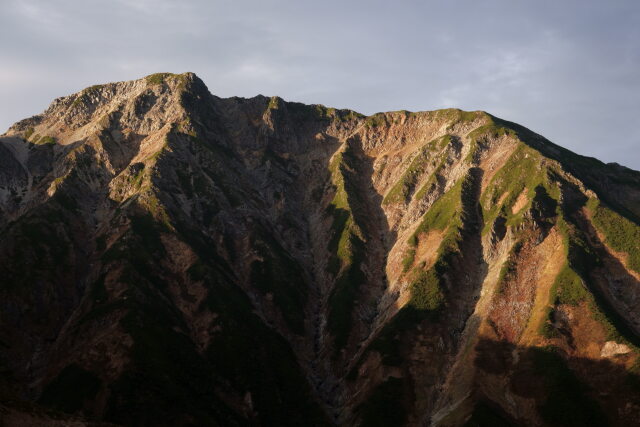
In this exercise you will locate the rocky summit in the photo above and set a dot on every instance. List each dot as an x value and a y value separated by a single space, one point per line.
169 257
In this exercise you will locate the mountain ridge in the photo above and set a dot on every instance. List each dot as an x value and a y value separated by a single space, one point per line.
370 263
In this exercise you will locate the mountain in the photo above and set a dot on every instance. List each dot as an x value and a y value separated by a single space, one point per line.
174 258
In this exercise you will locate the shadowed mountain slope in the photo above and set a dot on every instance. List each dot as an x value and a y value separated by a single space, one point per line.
174 258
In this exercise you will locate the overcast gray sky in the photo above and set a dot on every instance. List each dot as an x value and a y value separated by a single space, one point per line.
569 70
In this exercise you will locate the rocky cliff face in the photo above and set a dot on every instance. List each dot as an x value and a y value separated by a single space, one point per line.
173 258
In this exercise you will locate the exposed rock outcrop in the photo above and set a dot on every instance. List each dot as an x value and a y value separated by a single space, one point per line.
170 258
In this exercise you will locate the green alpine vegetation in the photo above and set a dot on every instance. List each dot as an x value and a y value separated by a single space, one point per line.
621 234
172 257
346 248
405 186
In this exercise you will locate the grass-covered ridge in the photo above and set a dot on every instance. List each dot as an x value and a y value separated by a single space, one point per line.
445 210
456 116
427 297
427 283
378 119
406 185
573 285
491 130
40 140
274 103
520 175
346 246
569 286
426 290
433 180
485 133
28 133
344 227
444 215
161 78
620 233
47 140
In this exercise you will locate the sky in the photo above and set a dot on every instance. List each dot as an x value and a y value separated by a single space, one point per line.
568 70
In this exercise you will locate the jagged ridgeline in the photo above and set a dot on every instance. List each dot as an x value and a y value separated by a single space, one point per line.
169 257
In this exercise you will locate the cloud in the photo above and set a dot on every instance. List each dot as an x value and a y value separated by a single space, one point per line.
567 70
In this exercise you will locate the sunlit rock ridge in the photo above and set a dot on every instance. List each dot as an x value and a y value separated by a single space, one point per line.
169 257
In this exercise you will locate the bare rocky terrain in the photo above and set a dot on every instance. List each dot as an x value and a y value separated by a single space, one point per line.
168 257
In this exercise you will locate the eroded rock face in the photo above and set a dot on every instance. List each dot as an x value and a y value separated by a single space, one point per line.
612 348
171 257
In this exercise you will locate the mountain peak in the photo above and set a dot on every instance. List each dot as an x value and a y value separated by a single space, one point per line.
150 102
258 261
